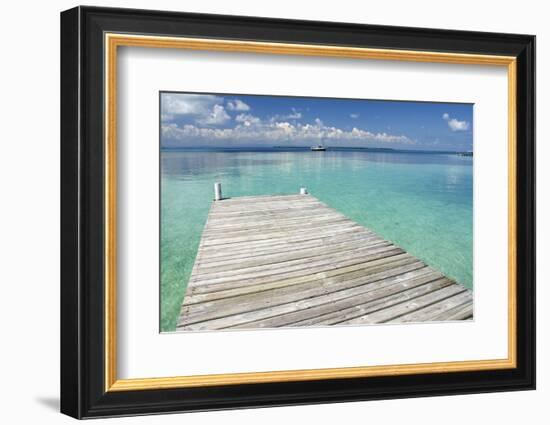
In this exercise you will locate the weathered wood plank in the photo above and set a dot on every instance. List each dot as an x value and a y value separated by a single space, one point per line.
213 256
264 206
432 311
412 303
288 256
329 277
215 309
360 310
244 223
277 234
253 199
335 302
278 225
398 258
460 312
259 213
290 260
225 249
299 214
280 230
321 301
306 265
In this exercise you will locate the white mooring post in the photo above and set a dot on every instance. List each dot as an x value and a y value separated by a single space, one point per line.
303 191
217 191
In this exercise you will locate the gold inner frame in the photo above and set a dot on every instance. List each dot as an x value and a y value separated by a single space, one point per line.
113 41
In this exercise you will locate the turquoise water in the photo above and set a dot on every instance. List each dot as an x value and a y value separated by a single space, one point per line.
419 201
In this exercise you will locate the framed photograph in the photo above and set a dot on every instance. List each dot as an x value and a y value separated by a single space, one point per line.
261 212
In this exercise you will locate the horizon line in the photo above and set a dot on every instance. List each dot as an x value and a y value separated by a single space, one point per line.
308 147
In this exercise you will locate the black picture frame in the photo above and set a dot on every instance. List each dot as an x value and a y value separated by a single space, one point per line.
83 392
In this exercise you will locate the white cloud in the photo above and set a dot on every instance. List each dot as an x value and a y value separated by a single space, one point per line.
216 116
354 116
203 109
293 115
454 124
188 104
205 113
251 129
247 120
237 105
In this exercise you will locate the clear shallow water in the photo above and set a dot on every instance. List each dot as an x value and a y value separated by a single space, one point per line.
419 201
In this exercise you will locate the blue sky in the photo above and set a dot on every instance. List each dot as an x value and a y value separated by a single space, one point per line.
220 120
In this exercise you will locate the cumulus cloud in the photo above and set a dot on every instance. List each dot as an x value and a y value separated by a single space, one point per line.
203 109
251 129
237 105
188 104
216 116
454 124
191 119
247 120
354 116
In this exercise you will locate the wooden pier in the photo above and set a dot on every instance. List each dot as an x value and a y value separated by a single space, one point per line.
272 261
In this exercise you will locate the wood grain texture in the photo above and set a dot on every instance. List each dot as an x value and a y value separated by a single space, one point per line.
290 260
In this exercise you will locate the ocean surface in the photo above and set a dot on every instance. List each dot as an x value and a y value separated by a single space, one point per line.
418 200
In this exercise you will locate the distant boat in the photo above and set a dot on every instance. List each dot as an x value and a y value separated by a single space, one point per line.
318 148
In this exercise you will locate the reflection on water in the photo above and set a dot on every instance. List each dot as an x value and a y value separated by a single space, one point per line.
420 201
183 164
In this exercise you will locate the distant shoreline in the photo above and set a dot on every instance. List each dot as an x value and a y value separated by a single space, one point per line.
308 148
